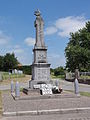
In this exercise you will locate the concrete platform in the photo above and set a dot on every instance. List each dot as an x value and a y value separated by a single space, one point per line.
64 104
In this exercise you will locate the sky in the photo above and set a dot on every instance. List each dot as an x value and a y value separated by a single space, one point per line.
17 31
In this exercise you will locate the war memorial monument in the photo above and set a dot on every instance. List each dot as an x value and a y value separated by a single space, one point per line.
40 65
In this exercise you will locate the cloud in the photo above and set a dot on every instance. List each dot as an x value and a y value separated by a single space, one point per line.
17 46
4 39
70 24
18 51
30 41
63 26
56 60
50 30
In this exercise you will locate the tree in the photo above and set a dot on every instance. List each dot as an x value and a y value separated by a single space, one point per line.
77 52
26 69
1 62
59 71
10 61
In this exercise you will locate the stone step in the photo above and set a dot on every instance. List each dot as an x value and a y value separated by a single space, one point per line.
48 112
31 92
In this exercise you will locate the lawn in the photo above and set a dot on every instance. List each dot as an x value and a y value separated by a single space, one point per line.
0 103
59 76
6 75
84 77
87 94
7 81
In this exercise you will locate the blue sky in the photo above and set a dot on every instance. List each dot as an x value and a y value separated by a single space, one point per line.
17 32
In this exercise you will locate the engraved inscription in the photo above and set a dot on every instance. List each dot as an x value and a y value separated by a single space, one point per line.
42 56
42 74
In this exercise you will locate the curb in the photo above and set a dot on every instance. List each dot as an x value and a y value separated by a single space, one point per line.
47 112
45 97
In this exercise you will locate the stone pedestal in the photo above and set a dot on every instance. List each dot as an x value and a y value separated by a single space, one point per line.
41 71
40 74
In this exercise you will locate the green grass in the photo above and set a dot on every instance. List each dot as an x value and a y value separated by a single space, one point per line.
87 94
23 79
59 76
5 75
0 103
21 89
84 77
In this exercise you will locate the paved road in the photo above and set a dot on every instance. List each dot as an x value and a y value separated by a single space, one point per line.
74 116
64 84
70 86
7 87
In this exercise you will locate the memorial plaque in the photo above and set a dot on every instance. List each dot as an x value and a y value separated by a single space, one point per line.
37 86
46 89
42 74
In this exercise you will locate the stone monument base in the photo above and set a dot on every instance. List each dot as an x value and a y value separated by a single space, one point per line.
35 83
